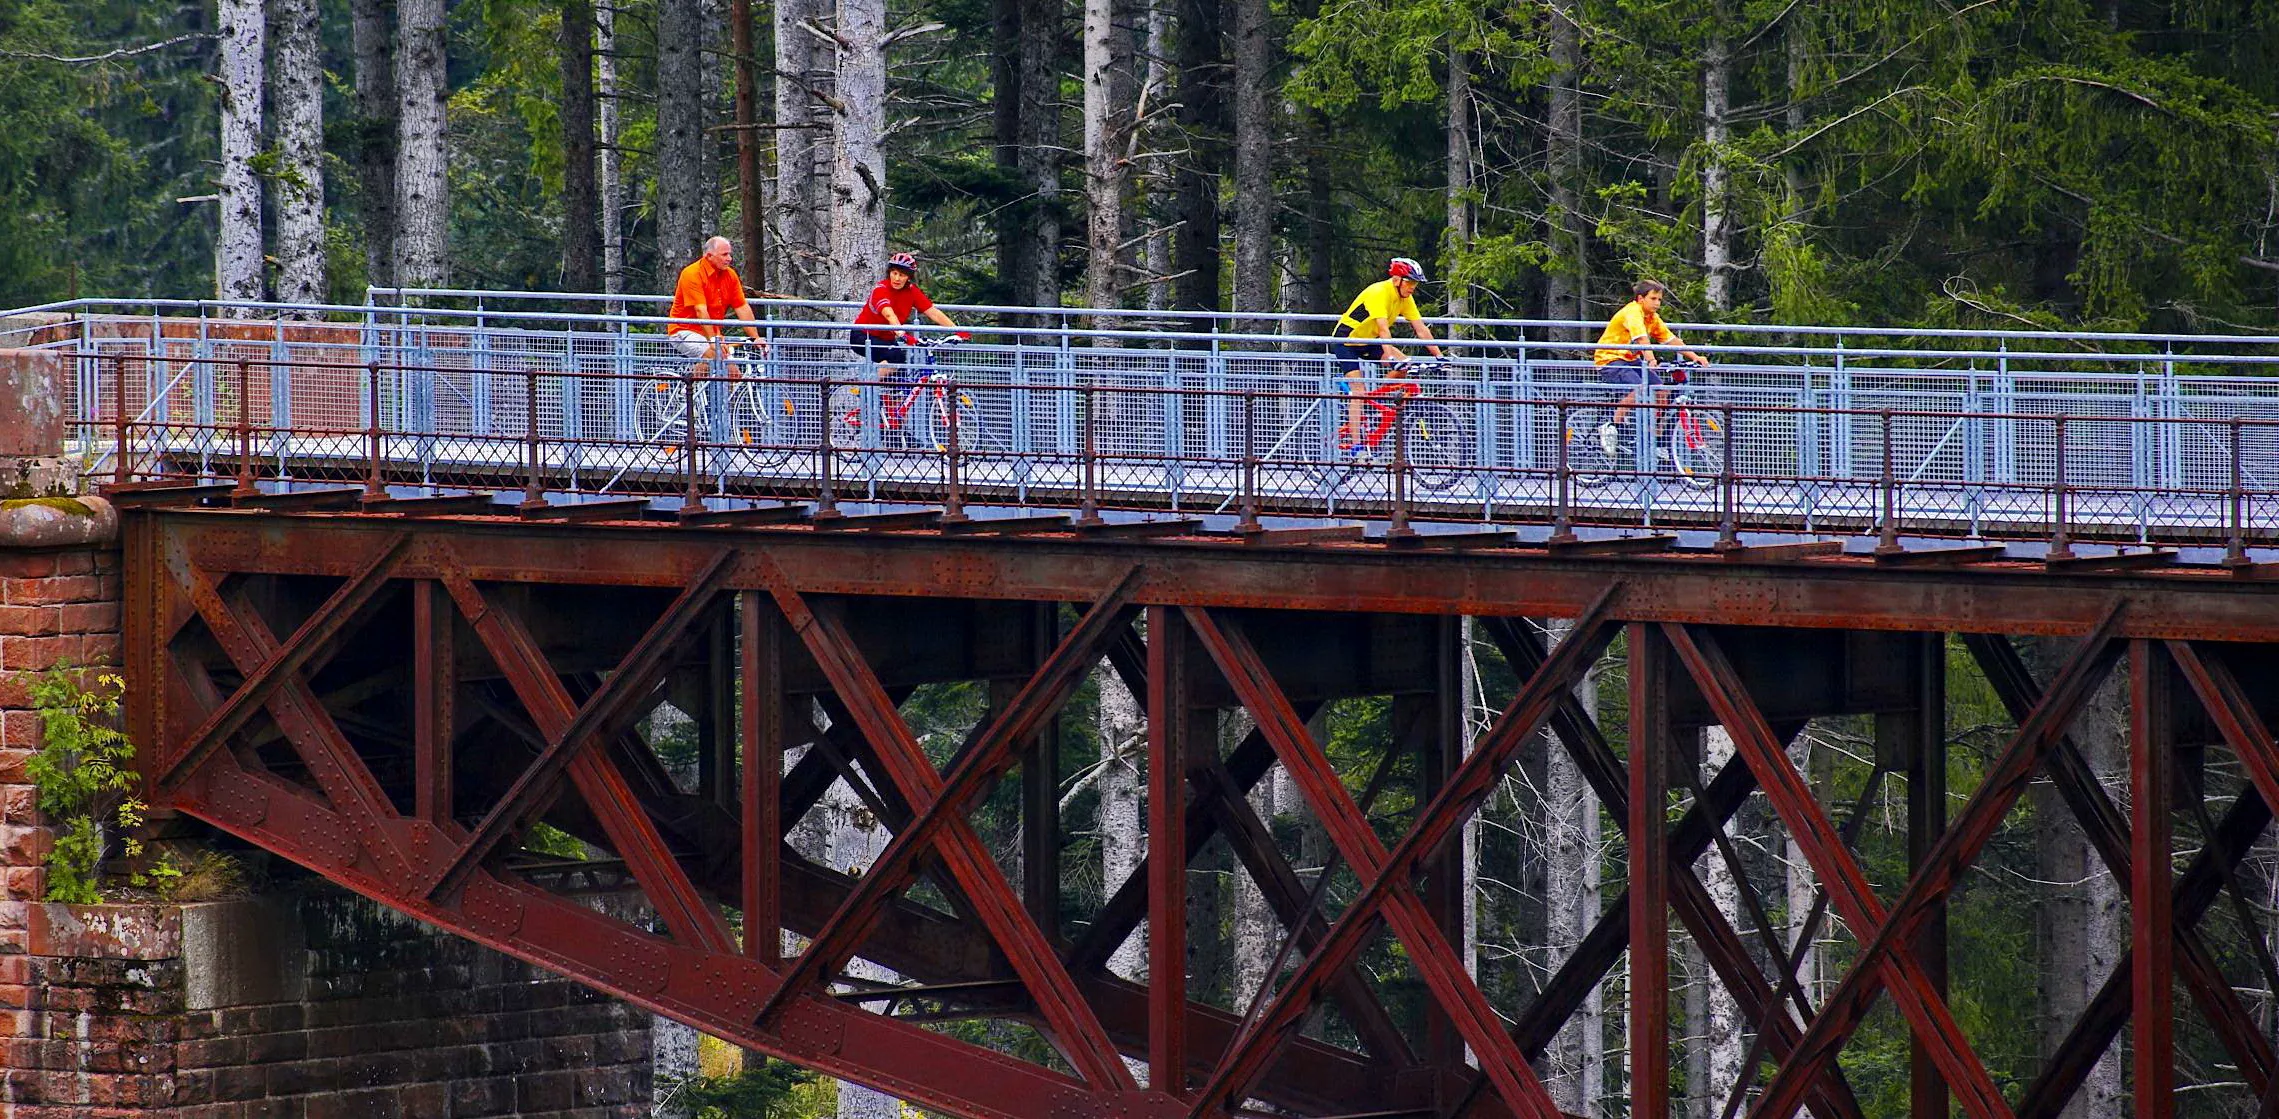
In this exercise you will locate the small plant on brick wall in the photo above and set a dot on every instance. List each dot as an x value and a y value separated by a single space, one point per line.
84 774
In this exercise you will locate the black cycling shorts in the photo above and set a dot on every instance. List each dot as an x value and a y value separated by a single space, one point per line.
1351 354
870 347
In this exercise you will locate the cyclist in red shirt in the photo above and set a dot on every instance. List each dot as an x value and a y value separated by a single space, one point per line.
891 304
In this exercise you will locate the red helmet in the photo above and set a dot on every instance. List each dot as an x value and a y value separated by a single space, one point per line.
904 261
1403 268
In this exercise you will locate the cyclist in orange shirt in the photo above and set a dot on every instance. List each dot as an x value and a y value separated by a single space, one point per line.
709 289
1639 321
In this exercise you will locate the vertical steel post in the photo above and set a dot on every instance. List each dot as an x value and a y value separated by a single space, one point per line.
1562 526
2061 546
1887 538
1088 510
953 504
1249 519
245 484
1167 725
1441 748
533 495
716 732
373 488
1918 737
826 501
2152 947
1399 525
2235 543
121 471
1728 528
1649 874
760 661
435 683
692 498
1040 791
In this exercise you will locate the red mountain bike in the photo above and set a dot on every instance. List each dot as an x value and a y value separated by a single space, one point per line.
1397 416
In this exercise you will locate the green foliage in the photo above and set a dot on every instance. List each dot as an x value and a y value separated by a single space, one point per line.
83 773
763 1090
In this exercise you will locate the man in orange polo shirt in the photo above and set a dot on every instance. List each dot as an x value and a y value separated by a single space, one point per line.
709 289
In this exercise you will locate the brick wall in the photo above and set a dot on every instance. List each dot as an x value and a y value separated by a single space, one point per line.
316 1005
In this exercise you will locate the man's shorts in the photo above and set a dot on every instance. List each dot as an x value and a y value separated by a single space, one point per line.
1629 371
1350 355
870 347
689 343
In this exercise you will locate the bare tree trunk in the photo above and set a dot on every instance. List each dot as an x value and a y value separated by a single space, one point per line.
1155 94
858 169
370 24
2082 912
610 182
422 253
1716 102
1459 179
1195 247
298 55
800 176
751 217
1719 1032
1123 826
1576 1071
581 228
237 251
1037 283
680 135
1107 130
1566 279
1254 202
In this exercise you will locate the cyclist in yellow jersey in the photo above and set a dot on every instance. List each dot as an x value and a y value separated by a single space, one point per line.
1639 321
1369 317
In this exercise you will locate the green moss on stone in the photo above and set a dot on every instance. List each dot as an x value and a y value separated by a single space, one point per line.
71 505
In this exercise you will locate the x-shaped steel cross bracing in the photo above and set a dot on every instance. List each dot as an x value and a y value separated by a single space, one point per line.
1071 1021
1388 891
274 677
1596 954
1888 933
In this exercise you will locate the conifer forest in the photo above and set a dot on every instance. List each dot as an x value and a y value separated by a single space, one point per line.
2108 165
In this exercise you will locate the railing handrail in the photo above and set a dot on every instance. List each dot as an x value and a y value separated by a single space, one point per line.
377 316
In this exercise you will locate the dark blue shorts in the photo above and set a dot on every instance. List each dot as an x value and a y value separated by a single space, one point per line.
880 350
1632 371
1350 355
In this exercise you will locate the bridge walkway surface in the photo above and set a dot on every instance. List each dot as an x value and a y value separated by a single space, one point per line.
391 669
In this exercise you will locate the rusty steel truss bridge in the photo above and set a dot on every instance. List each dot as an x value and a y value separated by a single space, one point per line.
368 649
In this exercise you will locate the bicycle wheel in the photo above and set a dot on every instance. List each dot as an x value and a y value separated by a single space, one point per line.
657 410
1697 448
1433 443
1585 458
765 435
845 409
973 430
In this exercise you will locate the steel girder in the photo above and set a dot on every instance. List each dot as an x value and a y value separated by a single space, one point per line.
394 704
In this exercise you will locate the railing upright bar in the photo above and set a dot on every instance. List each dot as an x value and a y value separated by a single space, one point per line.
245 484
2061 547
692 499
533 494
1249 521
121 472
953 503
1562 521
1088 507
1728 527
826 501
373 490
2235 547
1399 524
1887 540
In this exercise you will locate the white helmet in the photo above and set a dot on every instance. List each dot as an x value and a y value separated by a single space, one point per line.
1404 268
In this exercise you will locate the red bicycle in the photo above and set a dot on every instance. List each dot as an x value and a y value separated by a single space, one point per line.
913 411
1429 434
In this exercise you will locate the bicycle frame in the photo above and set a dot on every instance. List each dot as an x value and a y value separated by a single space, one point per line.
1385 414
